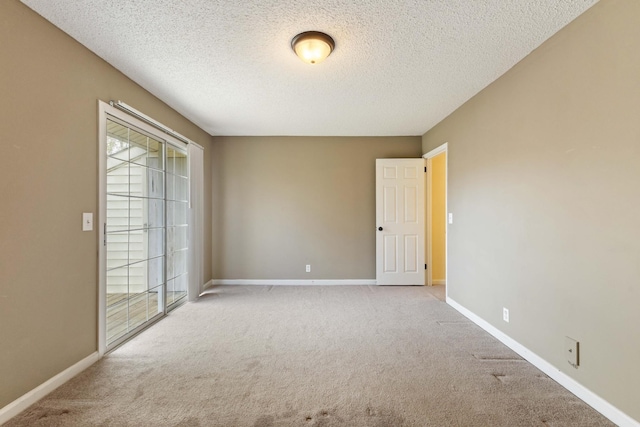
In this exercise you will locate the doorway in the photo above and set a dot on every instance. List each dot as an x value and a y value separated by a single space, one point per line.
144 214
436 241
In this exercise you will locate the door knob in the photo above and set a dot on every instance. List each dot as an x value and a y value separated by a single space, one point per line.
379 228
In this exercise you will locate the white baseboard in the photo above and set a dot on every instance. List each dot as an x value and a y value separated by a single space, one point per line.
590 398
439 282
207 286
293 282
31 397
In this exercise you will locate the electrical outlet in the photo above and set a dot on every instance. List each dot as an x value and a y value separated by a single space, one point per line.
308 268
505 314
572 351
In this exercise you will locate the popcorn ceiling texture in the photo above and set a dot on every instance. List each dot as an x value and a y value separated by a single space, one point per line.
399 67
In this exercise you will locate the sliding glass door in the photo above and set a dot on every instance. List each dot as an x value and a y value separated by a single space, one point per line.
146 227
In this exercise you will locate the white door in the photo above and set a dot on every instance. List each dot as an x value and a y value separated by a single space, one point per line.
400 221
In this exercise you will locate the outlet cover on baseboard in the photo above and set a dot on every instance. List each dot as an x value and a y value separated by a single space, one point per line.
572 351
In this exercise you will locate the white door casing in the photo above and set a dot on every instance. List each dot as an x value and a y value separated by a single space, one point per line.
400 221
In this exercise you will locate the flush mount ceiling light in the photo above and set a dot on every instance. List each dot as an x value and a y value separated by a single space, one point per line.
312 46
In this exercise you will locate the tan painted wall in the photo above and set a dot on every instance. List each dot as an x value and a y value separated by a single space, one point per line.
283 202
544 185
438 224
50 87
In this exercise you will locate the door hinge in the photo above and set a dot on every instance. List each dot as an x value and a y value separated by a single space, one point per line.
425 168
104 234
425 266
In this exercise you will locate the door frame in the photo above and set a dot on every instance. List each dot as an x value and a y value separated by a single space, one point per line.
104 111
444 148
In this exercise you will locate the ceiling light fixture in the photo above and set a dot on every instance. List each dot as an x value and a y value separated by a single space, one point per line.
313 47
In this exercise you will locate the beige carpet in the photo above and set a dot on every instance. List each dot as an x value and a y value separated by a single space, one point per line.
313 356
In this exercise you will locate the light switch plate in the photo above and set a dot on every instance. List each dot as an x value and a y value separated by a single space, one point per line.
572 351
87 221
450 218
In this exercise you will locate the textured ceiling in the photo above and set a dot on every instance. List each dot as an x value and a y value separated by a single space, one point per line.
399 67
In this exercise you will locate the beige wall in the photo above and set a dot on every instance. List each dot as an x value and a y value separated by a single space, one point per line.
283 202
438 217
50 88
544 185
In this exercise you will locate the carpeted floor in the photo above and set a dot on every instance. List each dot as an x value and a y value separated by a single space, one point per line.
312 356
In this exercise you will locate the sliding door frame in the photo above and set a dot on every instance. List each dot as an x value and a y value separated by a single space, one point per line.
104 112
